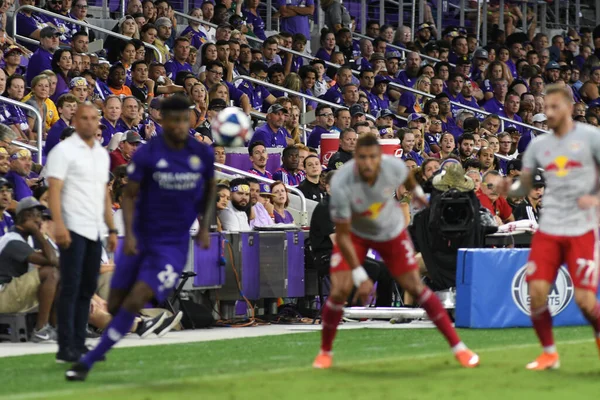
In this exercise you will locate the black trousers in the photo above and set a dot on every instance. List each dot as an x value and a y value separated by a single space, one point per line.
79 269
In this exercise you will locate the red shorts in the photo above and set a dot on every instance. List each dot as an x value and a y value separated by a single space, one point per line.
579 253
398 254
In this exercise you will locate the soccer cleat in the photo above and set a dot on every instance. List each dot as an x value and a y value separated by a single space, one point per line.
147 327
169 324
77 372
323 361
467 358
45 335
545 361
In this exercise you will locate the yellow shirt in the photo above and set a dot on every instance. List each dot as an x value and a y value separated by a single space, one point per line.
52 114
163 48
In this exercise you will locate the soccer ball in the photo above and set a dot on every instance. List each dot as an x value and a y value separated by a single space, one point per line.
231 128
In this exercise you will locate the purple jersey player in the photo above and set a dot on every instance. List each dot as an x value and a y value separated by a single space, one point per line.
171 183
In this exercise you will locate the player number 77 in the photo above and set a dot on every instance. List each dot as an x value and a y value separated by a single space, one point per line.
587 270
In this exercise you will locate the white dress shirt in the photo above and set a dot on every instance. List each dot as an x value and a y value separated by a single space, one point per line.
84 172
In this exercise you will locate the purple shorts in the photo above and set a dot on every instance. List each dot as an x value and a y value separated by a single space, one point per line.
157 265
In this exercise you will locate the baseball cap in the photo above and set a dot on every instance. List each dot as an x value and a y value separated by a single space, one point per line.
131 137
276 108
217 104
5 182
318 61
163 21
12 49
594 103
77 82
552 65
377 57
431 46
539 118
385 131
481 53
20 153
155 104
265 189
28 203
393 54
514 165
380 78
511 129
357 109
424 25
416 116
538 179
463 61
225 25
49 31
384 112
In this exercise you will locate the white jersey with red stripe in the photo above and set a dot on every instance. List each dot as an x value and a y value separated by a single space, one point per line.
372 210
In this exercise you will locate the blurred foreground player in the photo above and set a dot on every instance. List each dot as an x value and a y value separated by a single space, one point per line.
367 216
568 231
170 185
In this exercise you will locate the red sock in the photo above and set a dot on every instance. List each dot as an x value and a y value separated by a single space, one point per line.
594 318
438 315
332 314
542 323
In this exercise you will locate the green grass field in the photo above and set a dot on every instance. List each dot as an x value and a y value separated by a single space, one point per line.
369 364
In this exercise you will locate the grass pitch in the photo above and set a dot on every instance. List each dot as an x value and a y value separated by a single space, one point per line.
369 364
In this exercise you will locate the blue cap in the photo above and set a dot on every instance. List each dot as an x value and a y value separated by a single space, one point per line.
594 103
552 65
265 189
380 78
416 116
384 112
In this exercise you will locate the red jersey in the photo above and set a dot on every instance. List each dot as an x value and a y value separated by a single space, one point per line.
500 207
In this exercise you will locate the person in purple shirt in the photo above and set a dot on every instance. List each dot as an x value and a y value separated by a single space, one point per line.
66 106
259 157
19 159
454 89
496 104
214 75
254 19
445 115
408 76
269 52
327 46
30 24
308 77
257 94
334 94
511 108
178 63
294 14
288 173
324 123
171 184
194 31
272 133
6 197
367 81
280 202
41 60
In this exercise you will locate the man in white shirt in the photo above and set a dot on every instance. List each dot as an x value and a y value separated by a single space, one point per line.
81 208
235 217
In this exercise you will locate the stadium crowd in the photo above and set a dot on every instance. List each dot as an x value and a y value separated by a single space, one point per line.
502 83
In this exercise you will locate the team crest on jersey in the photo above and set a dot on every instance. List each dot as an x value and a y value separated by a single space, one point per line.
195 163
336 259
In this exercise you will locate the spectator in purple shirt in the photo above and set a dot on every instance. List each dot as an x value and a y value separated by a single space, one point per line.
29 24
257 94
20 168
367 81
324 122
259 157
41 60
343 78
281 201
496 104
260 194
327 45
253 19
66 105
112 118
454 89
272 133
180 55
289 173
308 77
195 32
511 108
408 76
445 115
294 15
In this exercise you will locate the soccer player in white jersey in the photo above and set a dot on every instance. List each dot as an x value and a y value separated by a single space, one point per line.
367 216
568 232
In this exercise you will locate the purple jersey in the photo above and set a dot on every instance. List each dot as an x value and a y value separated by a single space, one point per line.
173 67
323 55
40 61
287 177
20 187
198 38
6 223
258 25
256 94
298 23
54 135
267 174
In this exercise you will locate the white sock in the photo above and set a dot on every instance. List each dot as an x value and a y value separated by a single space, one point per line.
459 347
550 349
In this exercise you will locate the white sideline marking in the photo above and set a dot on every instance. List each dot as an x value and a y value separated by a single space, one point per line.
104 388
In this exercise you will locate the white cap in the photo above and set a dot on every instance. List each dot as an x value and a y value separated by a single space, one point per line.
539 117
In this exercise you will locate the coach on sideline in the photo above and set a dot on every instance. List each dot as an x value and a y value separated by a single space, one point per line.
80 204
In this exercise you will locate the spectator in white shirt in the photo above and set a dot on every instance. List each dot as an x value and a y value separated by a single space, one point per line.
236 216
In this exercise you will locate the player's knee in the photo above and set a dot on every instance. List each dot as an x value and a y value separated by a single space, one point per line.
538 295
586 301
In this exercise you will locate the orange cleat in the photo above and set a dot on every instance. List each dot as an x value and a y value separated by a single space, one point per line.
467 358
545 361
323 361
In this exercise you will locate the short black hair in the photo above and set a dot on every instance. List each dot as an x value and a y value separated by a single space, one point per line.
472 163
274 69
238 181
465 136
367 141
305 70
254 145
364 71
79 33
252 180
222 43
288 150
320 108
211 64
471 124
258 66
310 155
176 102
136 63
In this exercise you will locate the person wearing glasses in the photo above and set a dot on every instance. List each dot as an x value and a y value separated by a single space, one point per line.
257 94
324 123
56 7
490 198
79 12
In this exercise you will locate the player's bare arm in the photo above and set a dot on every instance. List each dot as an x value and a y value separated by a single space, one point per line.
127 204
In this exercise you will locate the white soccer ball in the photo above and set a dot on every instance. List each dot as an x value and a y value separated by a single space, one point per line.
231 128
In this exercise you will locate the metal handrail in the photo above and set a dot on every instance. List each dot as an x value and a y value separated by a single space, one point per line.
76 22
403 50
29 147
460 105
41 122
292 189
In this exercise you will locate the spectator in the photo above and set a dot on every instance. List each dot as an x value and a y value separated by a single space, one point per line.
235 217
259 197
410 103
116 80
342 120
123 154
79 12
223 198
179 63
292 125
163 27
67 106
12 60
20 168
141 87
489 198
511 108
6 199
311 187
281 201
195 32
22 290
505 144
272 133
294 16
269 52
429 167
40 89
496 104
343 78
29 24
336 15
466 145
328 44
445 115
408 76
130 114
324 122
259 157
447 146
78 87
531 205
476 177
289 173
257 94
16 118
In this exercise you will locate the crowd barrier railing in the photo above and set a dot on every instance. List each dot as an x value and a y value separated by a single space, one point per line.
41 122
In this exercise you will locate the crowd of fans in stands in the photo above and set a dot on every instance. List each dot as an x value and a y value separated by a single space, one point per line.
371 89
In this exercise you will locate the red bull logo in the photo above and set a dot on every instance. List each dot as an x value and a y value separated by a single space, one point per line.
327 156
373 211
562 165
